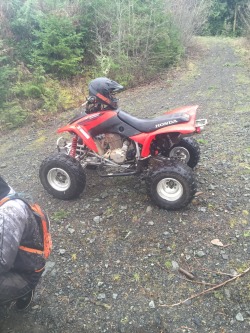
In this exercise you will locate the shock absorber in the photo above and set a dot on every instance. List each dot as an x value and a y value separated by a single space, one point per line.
72 152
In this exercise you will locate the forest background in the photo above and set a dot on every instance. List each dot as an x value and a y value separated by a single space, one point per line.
51 49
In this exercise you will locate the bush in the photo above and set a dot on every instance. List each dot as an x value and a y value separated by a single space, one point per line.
134 42
12 115
7 72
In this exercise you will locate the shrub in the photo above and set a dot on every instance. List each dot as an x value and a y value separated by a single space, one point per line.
12 115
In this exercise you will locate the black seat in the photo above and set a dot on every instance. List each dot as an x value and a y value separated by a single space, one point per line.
150 125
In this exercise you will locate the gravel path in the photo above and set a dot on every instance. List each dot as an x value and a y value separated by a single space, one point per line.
116 258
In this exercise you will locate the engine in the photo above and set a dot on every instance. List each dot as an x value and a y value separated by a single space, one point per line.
114 147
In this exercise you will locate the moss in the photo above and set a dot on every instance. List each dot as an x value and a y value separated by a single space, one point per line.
168 264
242 79
219 295
116 277
38 142
242 267
60 215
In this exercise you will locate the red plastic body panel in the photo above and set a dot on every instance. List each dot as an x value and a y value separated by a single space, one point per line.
184 128
83 125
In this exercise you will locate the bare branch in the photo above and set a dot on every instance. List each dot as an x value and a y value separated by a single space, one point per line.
189 16
207 290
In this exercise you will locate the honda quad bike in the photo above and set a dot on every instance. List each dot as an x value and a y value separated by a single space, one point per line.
115 143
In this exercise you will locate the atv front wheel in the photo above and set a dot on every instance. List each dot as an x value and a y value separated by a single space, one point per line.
62 176
187 151
172 186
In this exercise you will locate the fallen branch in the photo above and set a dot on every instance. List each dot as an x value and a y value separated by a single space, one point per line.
216 272
104 305
188 274
197 282
207 290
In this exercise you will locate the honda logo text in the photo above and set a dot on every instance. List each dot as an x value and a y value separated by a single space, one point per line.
166 123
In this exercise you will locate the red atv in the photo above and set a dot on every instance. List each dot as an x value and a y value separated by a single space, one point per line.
160 150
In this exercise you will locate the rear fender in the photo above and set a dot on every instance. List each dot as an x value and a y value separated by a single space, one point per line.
184 129
184 109
81 132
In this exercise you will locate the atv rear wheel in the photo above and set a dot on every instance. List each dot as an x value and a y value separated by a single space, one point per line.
172 186
187 151
62 176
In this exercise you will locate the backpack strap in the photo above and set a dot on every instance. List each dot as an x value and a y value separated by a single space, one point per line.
11 197
2 201
47 242
43 219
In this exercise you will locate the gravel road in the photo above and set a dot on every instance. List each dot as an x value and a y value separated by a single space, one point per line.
116 259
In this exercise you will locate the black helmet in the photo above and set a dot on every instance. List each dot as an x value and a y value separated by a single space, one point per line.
102 88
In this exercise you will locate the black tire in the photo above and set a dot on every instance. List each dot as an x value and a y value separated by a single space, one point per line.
190 154
171 186
62 176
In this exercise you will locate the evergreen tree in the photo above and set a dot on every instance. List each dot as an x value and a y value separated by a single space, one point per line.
226 17
58 46
6 73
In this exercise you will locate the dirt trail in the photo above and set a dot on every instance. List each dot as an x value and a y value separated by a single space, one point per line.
115 262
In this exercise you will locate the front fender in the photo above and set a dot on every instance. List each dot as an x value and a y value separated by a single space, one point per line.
81 132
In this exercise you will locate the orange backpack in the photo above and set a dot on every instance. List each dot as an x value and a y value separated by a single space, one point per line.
43 223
